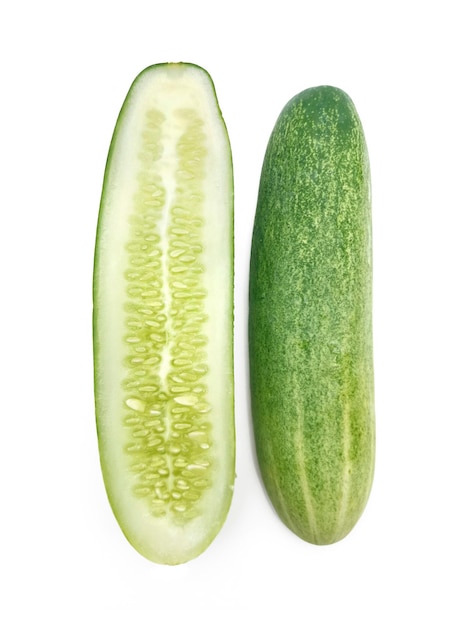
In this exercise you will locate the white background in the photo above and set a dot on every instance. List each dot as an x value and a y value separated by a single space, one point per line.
65 70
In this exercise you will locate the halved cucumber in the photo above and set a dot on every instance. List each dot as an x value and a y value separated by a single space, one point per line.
163 316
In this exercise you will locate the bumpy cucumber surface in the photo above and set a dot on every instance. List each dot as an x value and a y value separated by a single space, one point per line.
163 316
310 319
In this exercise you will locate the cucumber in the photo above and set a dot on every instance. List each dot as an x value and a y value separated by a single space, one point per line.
310 317
163 316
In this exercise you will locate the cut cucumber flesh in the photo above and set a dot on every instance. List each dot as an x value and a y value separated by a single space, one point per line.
163 316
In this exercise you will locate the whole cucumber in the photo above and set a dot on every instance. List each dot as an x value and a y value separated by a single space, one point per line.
310 317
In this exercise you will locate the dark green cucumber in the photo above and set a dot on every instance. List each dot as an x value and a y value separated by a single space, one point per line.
310 317
163 316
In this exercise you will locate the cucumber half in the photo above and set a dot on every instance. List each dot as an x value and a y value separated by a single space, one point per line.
163 316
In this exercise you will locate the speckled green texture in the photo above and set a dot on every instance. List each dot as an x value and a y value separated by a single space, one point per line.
310 319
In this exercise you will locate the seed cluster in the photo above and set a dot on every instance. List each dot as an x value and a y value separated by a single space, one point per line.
165 402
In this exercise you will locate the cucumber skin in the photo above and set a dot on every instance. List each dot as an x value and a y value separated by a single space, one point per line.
310 318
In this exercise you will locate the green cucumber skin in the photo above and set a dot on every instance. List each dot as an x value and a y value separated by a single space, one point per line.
310 318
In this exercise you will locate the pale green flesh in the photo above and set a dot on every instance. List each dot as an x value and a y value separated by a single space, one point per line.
311 319
164 315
